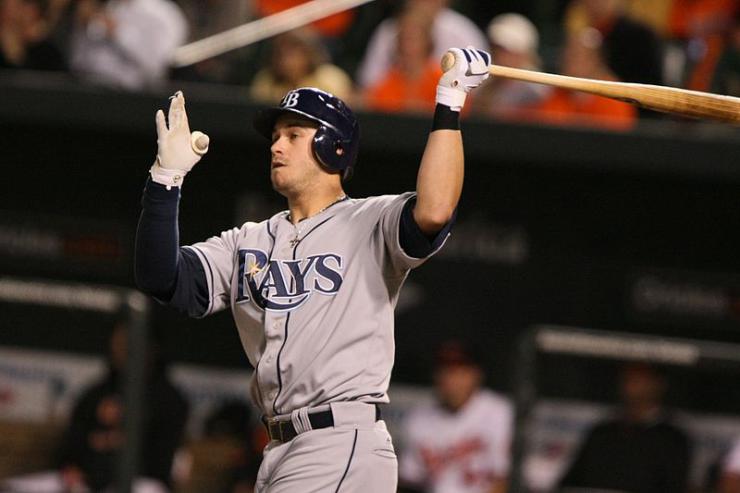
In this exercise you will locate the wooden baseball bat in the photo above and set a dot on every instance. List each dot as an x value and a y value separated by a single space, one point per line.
682 102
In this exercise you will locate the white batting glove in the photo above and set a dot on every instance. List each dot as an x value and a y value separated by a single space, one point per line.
178 150
468 72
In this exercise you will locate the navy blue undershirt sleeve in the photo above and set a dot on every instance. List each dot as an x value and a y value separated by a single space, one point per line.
171 274
414 242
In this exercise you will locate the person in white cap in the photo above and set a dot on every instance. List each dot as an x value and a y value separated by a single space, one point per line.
515 41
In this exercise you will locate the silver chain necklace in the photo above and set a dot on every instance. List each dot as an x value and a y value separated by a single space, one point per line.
297 235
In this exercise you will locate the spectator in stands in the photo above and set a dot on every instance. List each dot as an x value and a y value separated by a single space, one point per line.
126 43
726 79
411 82
514 42
639 450
654 14
24 31
632 50
206 18
461 442
226 458
95 435
449 28
232 421
298 59
582 57
729 477
333 26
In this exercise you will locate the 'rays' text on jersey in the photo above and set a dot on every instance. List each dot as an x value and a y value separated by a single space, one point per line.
281 285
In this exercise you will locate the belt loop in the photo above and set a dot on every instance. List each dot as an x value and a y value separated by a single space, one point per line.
300 420
295 418
305 421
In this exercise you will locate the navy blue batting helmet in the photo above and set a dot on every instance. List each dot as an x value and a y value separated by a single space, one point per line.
337 138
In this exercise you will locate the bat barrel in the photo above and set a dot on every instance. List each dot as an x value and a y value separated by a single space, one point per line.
673 100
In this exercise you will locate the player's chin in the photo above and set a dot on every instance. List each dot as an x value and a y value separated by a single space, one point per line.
280 182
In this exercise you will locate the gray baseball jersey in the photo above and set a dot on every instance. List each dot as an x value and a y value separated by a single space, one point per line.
313 302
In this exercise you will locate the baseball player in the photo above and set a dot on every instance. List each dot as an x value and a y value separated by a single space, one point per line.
460 443
312 289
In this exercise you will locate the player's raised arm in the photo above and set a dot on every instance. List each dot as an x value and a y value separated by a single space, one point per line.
440 179
157 259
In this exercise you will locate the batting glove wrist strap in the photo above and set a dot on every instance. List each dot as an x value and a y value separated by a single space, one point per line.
452 98
445 118
167 177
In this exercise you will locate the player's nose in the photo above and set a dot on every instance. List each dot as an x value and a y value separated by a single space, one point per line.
276 147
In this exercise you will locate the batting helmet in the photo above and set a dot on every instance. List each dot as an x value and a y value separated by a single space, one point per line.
337 138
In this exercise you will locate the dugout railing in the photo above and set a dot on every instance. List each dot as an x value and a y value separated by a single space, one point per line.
542 340
134 307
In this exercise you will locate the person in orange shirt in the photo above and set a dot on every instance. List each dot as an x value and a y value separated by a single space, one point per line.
702 24
582 57
332 26
411 83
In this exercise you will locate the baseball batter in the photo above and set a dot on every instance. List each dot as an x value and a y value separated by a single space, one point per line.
312 289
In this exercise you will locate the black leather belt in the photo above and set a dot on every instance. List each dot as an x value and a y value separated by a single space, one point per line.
284 431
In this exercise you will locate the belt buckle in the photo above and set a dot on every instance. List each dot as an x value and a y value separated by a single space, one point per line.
273 423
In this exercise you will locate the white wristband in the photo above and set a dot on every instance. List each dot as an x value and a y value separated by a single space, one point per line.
454 98
168 177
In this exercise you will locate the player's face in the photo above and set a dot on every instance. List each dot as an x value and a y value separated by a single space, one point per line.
456 383
294 168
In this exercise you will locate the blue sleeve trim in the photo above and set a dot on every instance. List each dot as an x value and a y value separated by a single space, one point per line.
191 294
171 274
414 242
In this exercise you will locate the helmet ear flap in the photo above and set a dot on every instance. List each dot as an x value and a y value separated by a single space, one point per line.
330 149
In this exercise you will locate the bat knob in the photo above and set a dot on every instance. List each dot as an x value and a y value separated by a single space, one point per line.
448 60
199 142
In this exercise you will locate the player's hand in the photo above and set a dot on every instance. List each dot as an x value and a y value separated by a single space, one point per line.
178 150
468 71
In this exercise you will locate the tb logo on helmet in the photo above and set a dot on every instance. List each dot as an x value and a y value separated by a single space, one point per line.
290 100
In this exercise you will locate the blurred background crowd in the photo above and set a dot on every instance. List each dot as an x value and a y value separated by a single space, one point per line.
384 56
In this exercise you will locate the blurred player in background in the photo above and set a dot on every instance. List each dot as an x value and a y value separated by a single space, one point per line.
461 442
91 445
94 438
639 450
